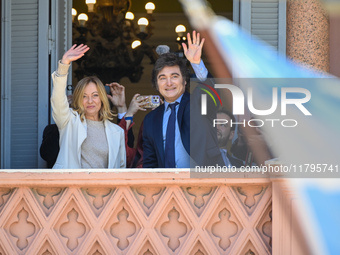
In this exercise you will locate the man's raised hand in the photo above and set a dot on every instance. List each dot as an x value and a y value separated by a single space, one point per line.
193 51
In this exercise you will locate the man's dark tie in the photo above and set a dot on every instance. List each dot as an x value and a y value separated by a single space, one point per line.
170 138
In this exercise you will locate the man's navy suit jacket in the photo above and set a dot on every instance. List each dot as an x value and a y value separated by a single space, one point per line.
153 148
208 152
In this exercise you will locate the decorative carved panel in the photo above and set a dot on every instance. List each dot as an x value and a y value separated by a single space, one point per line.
199 252
198 197
158 216
122 227
147 249
173 227
22 227
47 197
250 252
250 195
224 229
198 249
72 227
97 197
147 197
223 226
47 249
5 194
265 227
97 249
249 249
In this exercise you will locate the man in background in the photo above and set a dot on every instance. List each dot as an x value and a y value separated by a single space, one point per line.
225 133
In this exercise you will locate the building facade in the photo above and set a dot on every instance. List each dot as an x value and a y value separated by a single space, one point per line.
164 212
35 34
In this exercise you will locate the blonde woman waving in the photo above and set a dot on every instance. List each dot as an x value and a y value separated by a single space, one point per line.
88 139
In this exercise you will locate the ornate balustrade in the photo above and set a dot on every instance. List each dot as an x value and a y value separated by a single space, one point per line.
141 212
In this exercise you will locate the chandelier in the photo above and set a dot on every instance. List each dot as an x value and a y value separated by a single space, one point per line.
117 45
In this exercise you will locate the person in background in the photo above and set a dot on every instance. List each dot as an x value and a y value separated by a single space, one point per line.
225 133
241 150
243 147
88 139
49 147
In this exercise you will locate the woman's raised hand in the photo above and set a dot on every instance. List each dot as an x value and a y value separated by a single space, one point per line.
117 96
74 53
